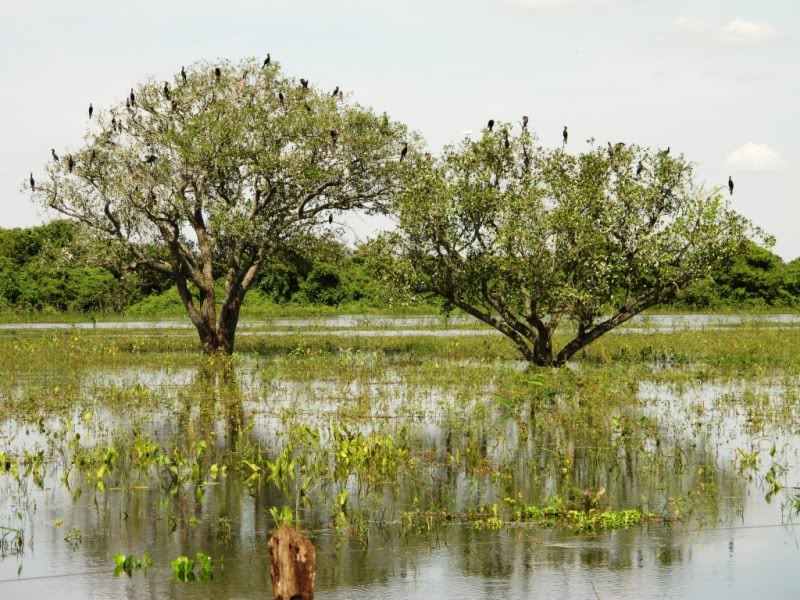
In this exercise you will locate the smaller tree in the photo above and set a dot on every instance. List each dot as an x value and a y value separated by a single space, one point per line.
526 239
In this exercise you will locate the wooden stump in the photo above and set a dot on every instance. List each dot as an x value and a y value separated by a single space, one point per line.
293 565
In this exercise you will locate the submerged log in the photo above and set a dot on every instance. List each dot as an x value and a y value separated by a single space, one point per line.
293 565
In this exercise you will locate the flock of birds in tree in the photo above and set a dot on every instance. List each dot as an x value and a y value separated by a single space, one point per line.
130 102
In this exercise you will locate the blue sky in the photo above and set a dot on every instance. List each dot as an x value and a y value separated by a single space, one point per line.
718 80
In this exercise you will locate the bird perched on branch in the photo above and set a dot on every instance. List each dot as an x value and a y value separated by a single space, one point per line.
336 92
91 110
490 125
525 121
183 74
639 168
166 90
132 98
730 184
53 152
304 83
280 98
151 159
403 152
33 183
70 163
565 135
267 61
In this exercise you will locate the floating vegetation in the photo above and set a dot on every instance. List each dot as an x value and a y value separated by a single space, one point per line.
364 443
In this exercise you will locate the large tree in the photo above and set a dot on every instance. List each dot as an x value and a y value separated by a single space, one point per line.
526 239
204 176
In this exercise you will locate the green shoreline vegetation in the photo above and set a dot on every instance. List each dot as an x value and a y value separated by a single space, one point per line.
45 275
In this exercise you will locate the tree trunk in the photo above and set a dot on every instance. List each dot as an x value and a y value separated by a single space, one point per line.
543 348
226 328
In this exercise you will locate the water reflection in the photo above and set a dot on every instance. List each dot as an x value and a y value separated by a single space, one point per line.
461 455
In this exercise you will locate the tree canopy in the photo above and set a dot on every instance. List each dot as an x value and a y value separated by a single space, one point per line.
205 176
527 239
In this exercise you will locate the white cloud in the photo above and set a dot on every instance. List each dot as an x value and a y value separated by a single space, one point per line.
553 6
704 30
755 158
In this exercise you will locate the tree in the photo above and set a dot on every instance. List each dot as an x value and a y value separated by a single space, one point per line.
525 238
203 179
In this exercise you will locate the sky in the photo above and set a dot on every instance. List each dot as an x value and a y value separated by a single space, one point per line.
716 80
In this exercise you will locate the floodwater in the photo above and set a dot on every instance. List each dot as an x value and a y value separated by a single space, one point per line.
734 539
407 326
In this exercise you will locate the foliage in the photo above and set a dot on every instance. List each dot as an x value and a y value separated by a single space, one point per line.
207 176
525 238
127 563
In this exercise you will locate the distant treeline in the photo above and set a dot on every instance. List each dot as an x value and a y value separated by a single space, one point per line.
48 269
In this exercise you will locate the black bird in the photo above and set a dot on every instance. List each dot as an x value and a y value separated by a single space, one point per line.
166 90
70 163
183 74
152 158
33 183
53 152
304 83
565 134
506 142
490 125
730 184
336 92
133 98
91 110
267 61
666 152
334 134
525 122
403 152
114 123
217 72
280 97
639 168
330 219
610 150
